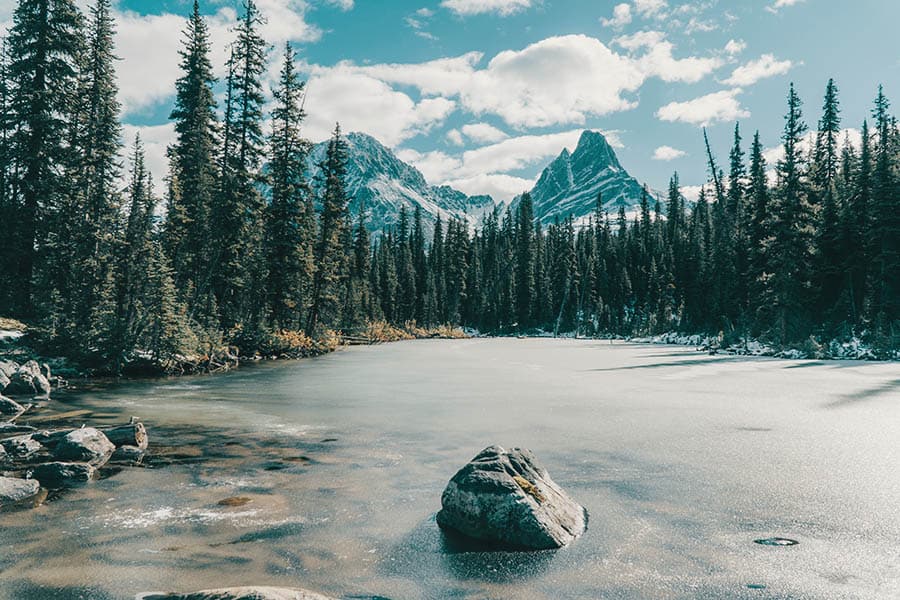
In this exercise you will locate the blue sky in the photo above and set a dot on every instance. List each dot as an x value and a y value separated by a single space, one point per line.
484 93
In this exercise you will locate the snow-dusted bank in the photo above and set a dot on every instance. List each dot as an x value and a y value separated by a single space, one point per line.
852 349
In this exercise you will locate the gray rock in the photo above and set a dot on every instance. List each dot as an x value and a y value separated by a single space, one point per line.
20 447
239 593
15 491
6 428
56 475
7 368
85 445
131 455
10 408
507 498
4 381
28 380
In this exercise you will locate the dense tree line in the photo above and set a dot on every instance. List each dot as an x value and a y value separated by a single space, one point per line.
244 246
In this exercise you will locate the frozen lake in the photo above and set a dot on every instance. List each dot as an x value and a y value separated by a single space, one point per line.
681 459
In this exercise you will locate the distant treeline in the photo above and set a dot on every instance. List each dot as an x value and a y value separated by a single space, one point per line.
245 254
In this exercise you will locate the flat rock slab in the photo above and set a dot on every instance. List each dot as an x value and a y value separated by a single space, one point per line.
85 445
56 475
240 593
507 498
15 491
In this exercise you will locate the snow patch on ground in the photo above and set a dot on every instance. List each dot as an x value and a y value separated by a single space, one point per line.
853 349
9 335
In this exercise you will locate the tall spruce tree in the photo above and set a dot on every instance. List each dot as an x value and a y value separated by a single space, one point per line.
239 210
791 229
290 217
329 251
190 233
46 44
525 262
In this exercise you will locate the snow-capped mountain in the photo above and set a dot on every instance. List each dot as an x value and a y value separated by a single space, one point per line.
570 184
383 183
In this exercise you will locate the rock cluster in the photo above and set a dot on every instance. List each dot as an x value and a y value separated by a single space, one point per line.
33 461
239 593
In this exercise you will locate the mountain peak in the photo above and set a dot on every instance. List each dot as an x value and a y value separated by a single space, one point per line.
571 183
590 137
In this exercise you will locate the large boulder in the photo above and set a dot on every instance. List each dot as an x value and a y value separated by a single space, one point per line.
28 380
239 593
7 368
507 498
56 475
17 491
85 445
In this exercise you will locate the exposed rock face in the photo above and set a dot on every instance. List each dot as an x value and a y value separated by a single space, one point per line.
241 593
508 498
85 445
16 491
28 380
571 183
57 475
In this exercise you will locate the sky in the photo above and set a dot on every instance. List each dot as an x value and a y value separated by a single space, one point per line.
483 94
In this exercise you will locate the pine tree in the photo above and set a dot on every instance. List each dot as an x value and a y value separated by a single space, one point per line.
791 230
238 216
824 170
189 228
885 223
46 44
93 202
290 218
525 267
328 250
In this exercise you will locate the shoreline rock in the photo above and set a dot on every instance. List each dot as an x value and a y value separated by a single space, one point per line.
238 593
507 498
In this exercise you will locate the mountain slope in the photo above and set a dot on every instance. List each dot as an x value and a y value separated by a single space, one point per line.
570 184
383 183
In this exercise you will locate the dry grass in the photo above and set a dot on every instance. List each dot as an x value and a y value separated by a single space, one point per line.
12 324
382 331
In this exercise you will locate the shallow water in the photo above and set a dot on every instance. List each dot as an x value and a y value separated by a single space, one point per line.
683 460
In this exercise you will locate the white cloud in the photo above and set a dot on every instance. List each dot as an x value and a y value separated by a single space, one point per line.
146 78
734 47
658 60
342 4
155 139
691 193
361 102
621 16
776 153
455 137
718 106
587 79
779 4
667 153
755 70
517 153
650 8
477 7
501 187
483 133
488 170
